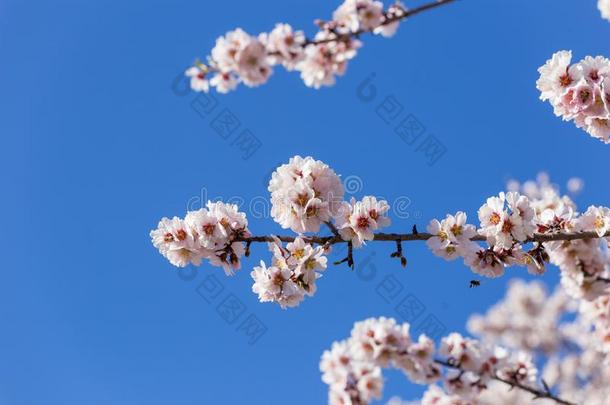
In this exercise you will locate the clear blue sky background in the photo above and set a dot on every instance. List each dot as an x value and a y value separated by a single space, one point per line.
96 147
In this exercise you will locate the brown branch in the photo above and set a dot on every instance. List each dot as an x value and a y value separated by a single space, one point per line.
389 20
398 254
350 256
355 34
544 393
398 238
332 228
421 236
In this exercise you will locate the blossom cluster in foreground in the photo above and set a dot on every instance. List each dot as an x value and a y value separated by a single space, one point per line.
578 92
306 194
239 57
208 233
292 275
527 328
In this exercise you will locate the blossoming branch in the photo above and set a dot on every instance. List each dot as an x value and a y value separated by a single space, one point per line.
242 58
530 226
528 348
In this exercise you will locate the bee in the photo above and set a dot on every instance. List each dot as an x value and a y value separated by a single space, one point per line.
474 283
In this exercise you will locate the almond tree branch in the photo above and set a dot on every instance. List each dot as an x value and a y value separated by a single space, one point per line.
389 20
332 228
398 238
544 393
420 236
355 34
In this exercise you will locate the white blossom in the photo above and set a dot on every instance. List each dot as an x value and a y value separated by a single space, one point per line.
199 81
252 65
224 54
555 76
224 82
388 29
355 15
596 219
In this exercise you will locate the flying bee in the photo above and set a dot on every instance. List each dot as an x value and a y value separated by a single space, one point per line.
474 283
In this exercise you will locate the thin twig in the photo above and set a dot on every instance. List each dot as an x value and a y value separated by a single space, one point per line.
538 393
398 254
350 256
389 20
332 228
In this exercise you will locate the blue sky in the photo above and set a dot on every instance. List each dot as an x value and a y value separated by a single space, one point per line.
96 147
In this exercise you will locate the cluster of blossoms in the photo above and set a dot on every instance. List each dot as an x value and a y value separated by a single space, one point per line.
292 275
508 223
579 92
239 57
583 263
520 227
504 227
532 327
352 368
357 220
452 236
604 8
530 320
305 194
208 233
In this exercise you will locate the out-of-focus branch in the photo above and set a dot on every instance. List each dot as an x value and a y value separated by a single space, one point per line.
539 393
